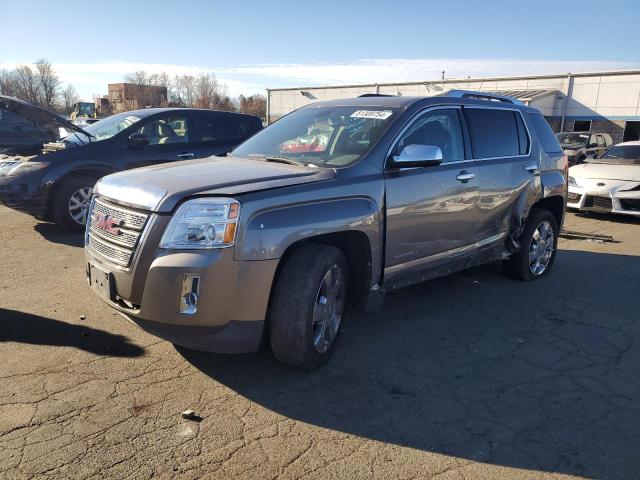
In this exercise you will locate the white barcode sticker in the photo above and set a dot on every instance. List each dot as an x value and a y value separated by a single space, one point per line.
375 114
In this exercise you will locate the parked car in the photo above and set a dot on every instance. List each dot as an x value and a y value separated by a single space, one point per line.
58 182
610 183
578 146
25 128
211 255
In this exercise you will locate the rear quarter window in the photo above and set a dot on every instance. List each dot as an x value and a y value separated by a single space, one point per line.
247 126
547 139
494 132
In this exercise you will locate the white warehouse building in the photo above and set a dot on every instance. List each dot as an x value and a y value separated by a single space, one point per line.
599 102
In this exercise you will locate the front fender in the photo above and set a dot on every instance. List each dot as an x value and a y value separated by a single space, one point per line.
268 234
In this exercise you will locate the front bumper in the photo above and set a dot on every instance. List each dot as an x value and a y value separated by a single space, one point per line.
232 300
604 201
23 193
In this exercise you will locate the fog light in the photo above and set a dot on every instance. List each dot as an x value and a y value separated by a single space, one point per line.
189 294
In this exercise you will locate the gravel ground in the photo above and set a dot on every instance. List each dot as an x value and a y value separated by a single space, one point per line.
470 376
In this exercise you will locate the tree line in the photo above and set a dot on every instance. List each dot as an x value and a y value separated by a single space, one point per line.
199 91
39 84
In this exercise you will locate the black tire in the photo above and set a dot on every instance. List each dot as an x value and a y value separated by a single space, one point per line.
518 266
295 295
62 198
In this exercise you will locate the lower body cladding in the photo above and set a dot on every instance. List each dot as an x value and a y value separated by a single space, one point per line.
604 201
203 300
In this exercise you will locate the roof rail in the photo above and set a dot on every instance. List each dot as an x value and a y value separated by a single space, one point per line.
375 95
482 96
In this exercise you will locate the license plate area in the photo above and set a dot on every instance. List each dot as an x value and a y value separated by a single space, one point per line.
100 281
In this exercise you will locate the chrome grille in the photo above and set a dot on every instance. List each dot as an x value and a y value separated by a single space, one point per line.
118 246
130 218
119 256
126 238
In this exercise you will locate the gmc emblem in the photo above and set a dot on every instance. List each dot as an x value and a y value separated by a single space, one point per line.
107 223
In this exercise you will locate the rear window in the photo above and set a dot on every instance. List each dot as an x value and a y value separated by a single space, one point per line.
494 132
547 139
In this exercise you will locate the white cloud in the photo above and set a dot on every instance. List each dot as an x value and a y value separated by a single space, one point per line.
90 78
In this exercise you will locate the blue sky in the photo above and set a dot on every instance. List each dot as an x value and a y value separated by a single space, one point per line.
252 45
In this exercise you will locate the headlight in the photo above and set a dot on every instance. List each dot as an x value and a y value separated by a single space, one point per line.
26 167
572 182
203 223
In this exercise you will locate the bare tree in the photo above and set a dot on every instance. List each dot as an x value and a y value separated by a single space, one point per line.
7 83
48 84
253 105
139 77
206 89
27 86
182 92
69 98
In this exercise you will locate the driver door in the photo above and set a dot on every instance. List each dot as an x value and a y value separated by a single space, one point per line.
168 141
431 210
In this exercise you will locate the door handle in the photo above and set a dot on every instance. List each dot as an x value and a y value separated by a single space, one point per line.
185 156
465 176
532 168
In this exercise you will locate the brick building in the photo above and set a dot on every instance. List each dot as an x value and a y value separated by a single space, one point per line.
129 96
601 101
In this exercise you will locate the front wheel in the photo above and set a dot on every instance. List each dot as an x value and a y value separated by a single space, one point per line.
308 304
538 242
71 203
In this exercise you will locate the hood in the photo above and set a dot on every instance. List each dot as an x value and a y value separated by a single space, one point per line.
606 171
160 188
41 117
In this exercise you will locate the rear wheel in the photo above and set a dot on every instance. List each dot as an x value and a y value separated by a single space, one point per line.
308 305
538 242
71 203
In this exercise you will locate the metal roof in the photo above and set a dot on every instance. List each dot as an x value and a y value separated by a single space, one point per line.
525 96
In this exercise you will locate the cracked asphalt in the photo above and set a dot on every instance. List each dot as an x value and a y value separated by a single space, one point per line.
471 376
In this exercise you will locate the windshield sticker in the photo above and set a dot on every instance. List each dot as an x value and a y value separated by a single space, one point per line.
374 114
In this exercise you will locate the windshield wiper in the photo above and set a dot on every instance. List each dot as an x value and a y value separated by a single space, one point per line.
276 159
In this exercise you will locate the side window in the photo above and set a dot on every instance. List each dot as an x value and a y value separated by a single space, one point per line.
166 130
211 128
439 128
600 140
494 132
248 126
544 133
523 138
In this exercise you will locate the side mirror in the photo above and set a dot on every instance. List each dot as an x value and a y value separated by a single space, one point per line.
418 156
138 140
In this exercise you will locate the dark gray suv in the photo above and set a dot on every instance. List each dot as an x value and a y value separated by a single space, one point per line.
329 207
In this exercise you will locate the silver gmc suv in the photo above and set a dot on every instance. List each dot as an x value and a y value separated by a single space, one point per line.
328 208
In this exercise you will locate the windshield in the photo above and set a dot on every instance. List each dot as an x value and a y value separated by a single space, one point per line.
324 136
105 128
620 155
571 138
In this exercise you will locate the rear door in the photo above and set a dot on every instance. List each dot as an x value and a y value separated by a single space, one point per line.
431 211
169 137
214 133
505 170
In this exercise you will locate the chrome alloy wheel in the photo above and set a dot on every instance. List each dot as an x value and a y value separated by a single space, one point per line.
328 309
79 204
541 248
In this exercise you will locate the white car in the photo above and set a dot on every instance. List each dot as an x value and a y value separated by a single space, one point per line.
610 183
